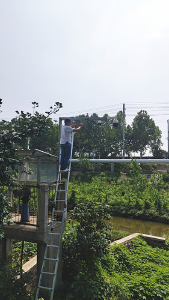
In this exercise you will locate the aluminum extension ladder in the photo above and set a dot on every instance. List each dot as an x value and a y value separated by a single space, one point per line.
48 273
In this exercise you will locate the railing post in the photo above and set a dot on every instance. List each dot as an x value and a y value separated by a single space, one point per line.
10 195
112 168
38 188
43 208
43 223
5 251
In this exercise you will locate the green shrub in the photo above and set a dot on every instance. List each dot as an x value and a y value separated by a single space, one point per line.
12 288
29 250
134 196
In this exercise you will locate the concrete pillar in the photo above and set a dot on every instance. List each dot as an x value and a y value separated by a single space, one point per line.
10 196
38 189
5 250
40 254
43 209
2 251
43 224
112 168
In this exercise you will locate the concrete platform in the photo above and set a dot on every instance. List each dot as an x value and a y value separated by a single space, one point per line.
29 264
150 239
24 232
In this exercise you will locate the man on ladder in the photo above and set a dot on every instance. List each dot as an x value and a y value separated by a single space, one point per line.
65 142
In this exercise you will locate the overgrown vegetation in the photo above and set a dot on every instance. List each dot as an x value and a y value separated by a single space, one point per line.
114 273
91 271
12 286
135 195
91 268
29 250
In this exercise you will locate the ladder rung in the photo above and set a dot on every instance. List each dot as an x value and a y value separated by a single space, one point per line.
59 188
60 222
59 200
45 287
48 273
53 259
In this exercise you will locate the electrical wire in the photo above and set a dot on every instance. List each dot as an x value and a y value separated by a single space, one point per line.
130 107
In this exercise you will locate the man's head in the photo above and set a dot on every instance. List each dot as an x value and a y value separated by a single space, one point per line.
68 122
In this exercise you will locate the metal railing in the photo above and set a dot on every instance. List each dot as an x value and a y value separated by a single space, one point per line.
24 209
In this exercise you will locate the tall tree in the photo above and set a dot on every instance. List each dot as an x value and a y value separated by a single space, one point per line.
99 139
145 133
86 140
13 134
38 128
128 140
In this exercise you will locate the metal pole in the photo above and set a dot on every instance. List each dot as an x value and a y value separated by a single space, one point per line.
38 188
125 160
124 130
60 130
168 137
21 259
112 168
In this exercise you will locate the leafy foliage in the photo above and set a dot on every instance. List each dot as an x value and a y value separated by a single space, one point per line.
133 196
99 140
84 244
13 135
29 250
39 128
136 272
10 287
141 272
145 133
4 209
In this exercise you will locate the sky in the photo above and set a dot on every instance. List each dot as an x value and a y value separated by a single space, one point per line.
93 56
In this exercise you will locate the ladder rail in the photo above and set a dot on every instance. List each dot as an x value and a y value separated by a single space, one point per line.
52 289
57 257
43 263
45 258
58 176
68 177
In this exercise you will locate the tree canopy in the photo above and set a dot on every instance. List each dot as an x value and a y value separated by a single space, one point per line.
145 134
102 140
14 135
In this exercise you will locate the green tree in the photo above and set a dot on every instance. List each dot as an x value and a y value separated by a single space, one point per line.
99 140
15 134
86 140
38 128
84 245
146 134
128 140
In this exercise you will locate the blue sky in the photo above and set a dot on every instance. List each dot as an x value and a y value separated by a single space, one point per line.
91 55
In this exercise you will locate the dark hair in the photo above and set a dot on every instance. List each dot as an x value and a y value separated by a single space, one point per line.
67 120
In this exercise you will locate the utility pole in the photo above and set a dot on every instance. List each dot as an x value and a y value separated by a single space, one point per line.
124 121
168 136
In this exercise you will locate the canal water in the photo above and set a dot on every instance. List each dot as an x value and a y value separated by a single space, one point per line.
141 226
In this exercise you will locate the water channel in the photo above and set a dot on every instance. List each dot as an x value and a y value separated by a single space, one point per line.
141 226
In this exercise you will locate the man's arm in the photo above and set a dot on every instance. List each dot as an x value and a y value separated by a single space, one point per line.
78 127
